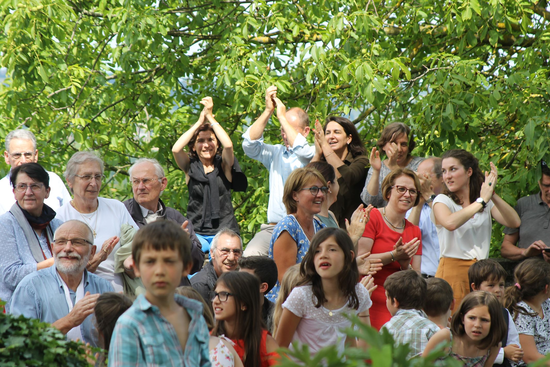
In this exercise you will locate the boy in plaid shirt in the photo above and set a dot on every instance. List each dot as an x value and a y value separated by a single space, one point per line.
405 292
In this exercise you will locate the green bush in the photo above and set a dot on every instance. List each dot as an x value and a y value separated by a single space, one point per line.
29 342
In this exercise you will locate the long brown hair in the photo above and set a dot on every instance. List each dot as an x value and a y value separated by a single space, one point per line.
498 328
245 289
467 160
531 276
356 146
347 279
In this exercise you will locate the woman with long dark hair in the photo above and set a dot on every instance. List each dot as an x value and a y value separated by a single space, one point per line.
338 143
463 217
211 172
236 304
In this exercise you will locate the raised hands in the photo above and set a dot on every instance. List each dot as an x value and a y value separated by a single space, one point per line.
102 254
488 187
270 95
374 159
405 251
391 152
368 282
359 220
281 108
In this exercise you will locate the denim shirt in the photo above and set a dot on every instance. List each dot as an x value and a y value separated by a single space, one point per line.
143 337
40 296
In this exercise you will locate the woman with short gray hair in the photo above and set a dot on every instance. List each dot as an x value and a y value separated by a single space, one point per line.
84 175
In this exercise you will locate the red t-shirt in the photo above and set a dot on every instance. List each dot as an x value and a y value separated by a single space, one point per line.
384 238
267 359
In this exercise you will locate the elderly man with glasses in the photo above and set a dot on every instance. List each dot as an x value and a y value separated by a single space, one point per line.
66 293
21 149
226 249
148 183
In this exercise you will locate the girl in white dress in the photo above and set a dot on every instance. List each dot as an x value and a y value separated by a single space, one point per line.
314 312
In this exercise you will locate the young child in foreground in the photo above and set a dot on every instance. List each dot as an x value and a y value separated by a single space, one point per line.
161 328
405 292
313 313
477 328
488 275
439 302
528 303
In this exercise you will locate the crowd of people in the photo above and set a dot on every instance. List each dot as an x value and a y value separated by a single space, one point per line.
400 241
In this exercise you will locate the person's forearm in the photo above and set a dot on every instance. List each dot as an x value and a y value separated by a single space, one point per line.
509 215
414 216
63 324
184 139
457 219
373 187
257 129
224 139
511 252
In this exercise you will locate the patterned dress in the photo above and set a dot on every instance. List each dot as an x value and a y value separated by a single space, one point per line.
291 225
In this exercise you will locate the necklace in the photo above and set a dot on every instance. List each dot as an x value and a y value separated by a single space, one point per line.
88 222
390 223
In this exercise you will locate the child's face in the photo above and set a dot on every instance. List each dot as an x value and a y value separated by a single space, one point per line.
477 323
329 258
224 310
494 286
160 272
391 305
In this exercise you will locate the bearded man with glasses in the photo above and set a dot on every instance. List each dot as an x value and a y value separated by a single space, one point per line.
21 149
65 294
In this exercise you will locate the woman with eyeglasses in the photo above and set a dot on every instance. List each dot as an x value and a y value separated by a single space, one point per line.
211 172
303 195
27 229
392 238
236 304
338 143
462 215
84 176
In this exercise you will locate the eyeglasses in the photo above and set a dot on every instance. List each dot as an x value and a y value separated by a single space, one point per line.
222 296
17 156
145 181
76 242
402 190
224 251
89 178
35 187
315 190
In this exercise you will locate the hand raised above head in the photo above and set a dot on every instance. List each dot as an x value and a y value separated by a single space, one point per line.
208 105
270 95
281 108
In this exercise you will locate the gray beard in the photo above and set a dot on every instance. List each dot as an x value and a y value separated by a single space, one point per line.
74 268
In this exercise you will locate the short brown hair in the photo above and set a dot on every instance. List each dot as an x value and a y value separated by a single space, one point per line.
439 297
204 127
389 181
498 326
485 270
408 288
397 128
162 235
295 182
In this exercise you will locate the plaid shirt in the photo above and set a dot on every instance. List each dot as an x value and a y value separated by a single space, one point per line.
143 337
413 327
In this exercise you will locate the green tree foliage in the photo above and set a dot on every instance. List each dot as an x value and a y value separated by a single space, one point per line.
28 342
124 77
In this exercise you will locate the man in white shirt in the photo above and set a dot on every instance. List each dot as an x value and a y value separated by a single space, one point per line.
279 159
21 149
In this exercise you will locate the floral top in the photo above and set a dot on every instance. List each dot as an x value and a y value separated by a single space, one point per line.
221 356
470 361
538 328
291 225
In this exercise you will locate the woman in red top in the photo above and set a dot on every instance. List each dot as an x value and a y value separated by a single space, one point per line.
236 304
392 238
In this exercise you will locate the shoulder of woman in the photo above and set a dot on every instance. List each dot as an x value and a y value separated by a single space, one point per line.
270 344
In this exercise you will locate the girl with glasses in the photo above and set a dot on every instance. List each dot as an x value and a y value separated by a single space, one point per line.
463 217
392 238
236 304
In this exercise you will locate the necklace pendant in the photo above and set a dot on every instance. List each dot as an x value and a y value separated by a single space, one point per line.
95 234
330 313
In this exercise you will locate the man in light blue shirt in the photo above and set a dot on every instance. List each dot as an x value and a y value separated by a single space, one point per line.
279 159
64 294
430 175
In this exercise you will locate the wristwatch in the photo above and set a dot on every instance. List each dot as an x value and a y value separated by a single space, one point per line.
430 199
482 202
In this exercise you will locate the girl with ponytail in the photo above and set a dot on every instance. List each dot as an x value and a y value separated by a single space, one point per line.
527 301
